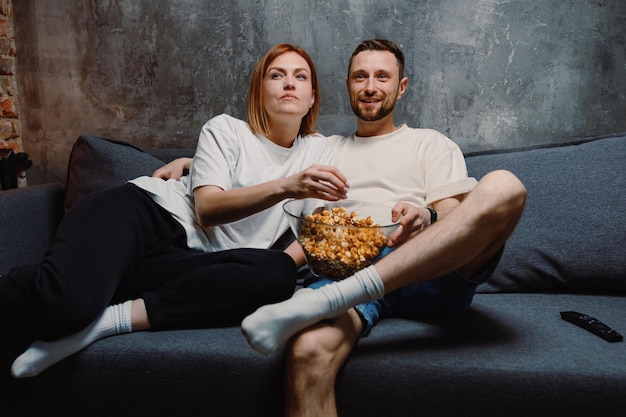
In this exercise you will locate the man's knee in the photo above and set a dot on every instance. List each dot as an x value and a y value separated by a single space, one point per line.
506 193
507 184
306 350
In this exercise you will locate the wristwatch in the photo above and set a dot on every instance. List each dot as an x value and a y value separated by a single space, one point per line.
433 215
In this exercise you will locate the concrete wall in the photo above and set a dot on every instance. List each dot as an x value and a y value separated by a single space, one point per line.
488 73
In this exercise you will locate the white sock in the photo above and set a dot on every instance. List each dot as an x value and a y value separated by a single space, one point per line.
272 325
41 355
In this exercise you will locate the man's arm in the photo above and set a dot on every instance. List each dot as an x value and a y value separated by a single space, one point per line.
174 169
414 219
445 206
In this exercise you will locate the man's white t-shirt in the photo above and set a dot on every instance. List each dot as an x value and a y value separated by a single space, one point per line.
229 155
418 166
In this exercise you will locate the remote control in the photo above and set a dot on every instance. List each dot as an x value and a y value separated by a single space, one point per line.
593 325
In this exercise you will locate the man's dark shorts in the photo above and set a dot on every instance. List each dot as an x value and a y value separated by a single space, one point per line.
440 297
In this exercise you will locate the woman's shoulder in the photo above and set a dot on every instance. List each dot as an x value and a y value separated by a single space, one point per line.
315 139
226 120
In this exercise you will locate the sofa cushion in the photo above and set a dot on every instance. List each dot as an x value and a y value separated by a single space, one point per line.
572 234
510 354
99 163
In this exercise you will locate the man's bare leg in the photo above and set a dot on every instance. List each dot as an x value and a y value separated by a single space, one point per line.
314 358
464 240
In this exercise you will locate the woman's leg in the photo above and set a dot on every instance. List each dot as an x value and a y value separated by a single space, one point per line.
187 289
40 355
97 247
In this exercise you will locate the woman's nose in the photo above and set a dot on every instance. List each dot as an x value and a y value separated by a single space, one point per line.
289 83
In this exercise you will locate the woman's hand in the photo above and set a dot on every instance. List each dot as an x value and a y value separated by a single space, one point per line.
317 181
174 169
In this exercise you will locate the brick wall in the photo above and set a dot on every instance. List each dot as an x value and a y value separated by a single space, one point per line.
10 128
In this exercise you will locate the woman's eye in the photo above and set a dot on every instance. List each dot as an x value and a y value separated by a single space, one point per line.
276 76
301 76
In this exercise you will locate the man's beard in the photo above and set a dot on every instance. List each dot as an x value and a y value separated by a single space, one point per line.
372 115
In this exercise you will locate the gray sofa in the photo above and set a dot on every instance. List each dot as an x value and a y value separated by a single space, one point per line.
510 355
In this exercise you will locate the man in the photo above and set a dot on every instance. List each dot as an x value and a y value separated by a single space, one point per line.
436 267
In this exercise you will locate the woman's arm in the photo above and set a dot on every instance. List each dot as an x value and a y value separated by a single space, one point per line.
217 206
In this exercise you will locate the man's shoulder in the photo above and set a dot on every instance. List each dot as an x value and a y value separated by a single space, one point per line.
428 136
422 132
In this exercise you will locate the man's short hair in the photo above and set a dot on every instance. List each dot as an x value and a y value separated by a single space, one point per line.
379 45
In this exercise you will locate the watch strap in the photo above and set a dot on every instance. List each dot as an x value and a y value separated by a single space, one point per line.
433 215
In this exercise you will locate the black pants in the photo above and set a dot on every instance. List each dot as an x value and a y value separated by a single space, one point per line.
118 245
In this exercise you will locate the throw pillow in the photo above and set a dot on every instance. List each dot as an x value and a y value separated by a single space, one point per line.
98 163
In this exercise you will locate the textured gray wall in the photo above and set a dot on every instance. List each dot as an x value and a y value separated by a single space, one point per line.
488 73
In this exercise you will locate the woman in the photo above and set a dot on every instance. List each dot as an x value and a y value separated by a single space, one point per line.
162 254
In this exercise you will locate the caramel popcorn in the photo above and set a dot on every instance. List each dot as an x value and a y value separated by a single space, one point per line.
338 252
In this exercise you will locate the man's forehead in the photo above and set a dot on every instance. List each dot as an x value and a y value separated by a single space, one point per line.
374 60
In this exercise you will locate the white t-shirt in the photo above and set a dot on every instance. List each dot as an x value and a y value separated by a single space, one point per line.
418 166
230 156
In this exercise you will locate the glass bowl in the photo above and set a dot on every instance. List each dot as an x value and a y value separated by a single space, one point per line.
339 238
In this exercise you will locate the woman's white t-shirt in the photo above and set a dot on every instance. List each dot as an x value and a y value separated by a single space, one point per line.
229 155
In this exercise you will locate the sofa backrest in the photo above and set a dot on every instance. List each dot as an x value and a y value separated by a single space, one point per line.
572 235
28 222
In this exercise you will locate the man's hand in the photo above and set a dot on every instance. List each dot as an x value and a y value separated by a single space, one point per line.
173 170
412 220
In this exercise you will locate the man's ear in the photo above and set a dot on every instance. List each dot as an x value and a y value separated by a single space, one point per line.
402 86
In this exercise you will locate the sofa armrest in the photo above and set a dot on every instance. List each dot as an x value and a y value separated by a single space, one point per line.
28 222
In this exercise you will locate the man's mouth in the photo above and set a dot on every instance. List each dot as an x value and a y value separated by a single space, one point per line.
370 100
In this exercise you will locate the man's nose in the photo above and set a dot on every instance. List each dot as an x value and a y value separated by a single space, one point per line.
370 85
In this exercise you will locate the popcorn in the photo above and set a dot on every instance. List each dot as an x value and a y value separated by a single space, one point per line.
336 250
